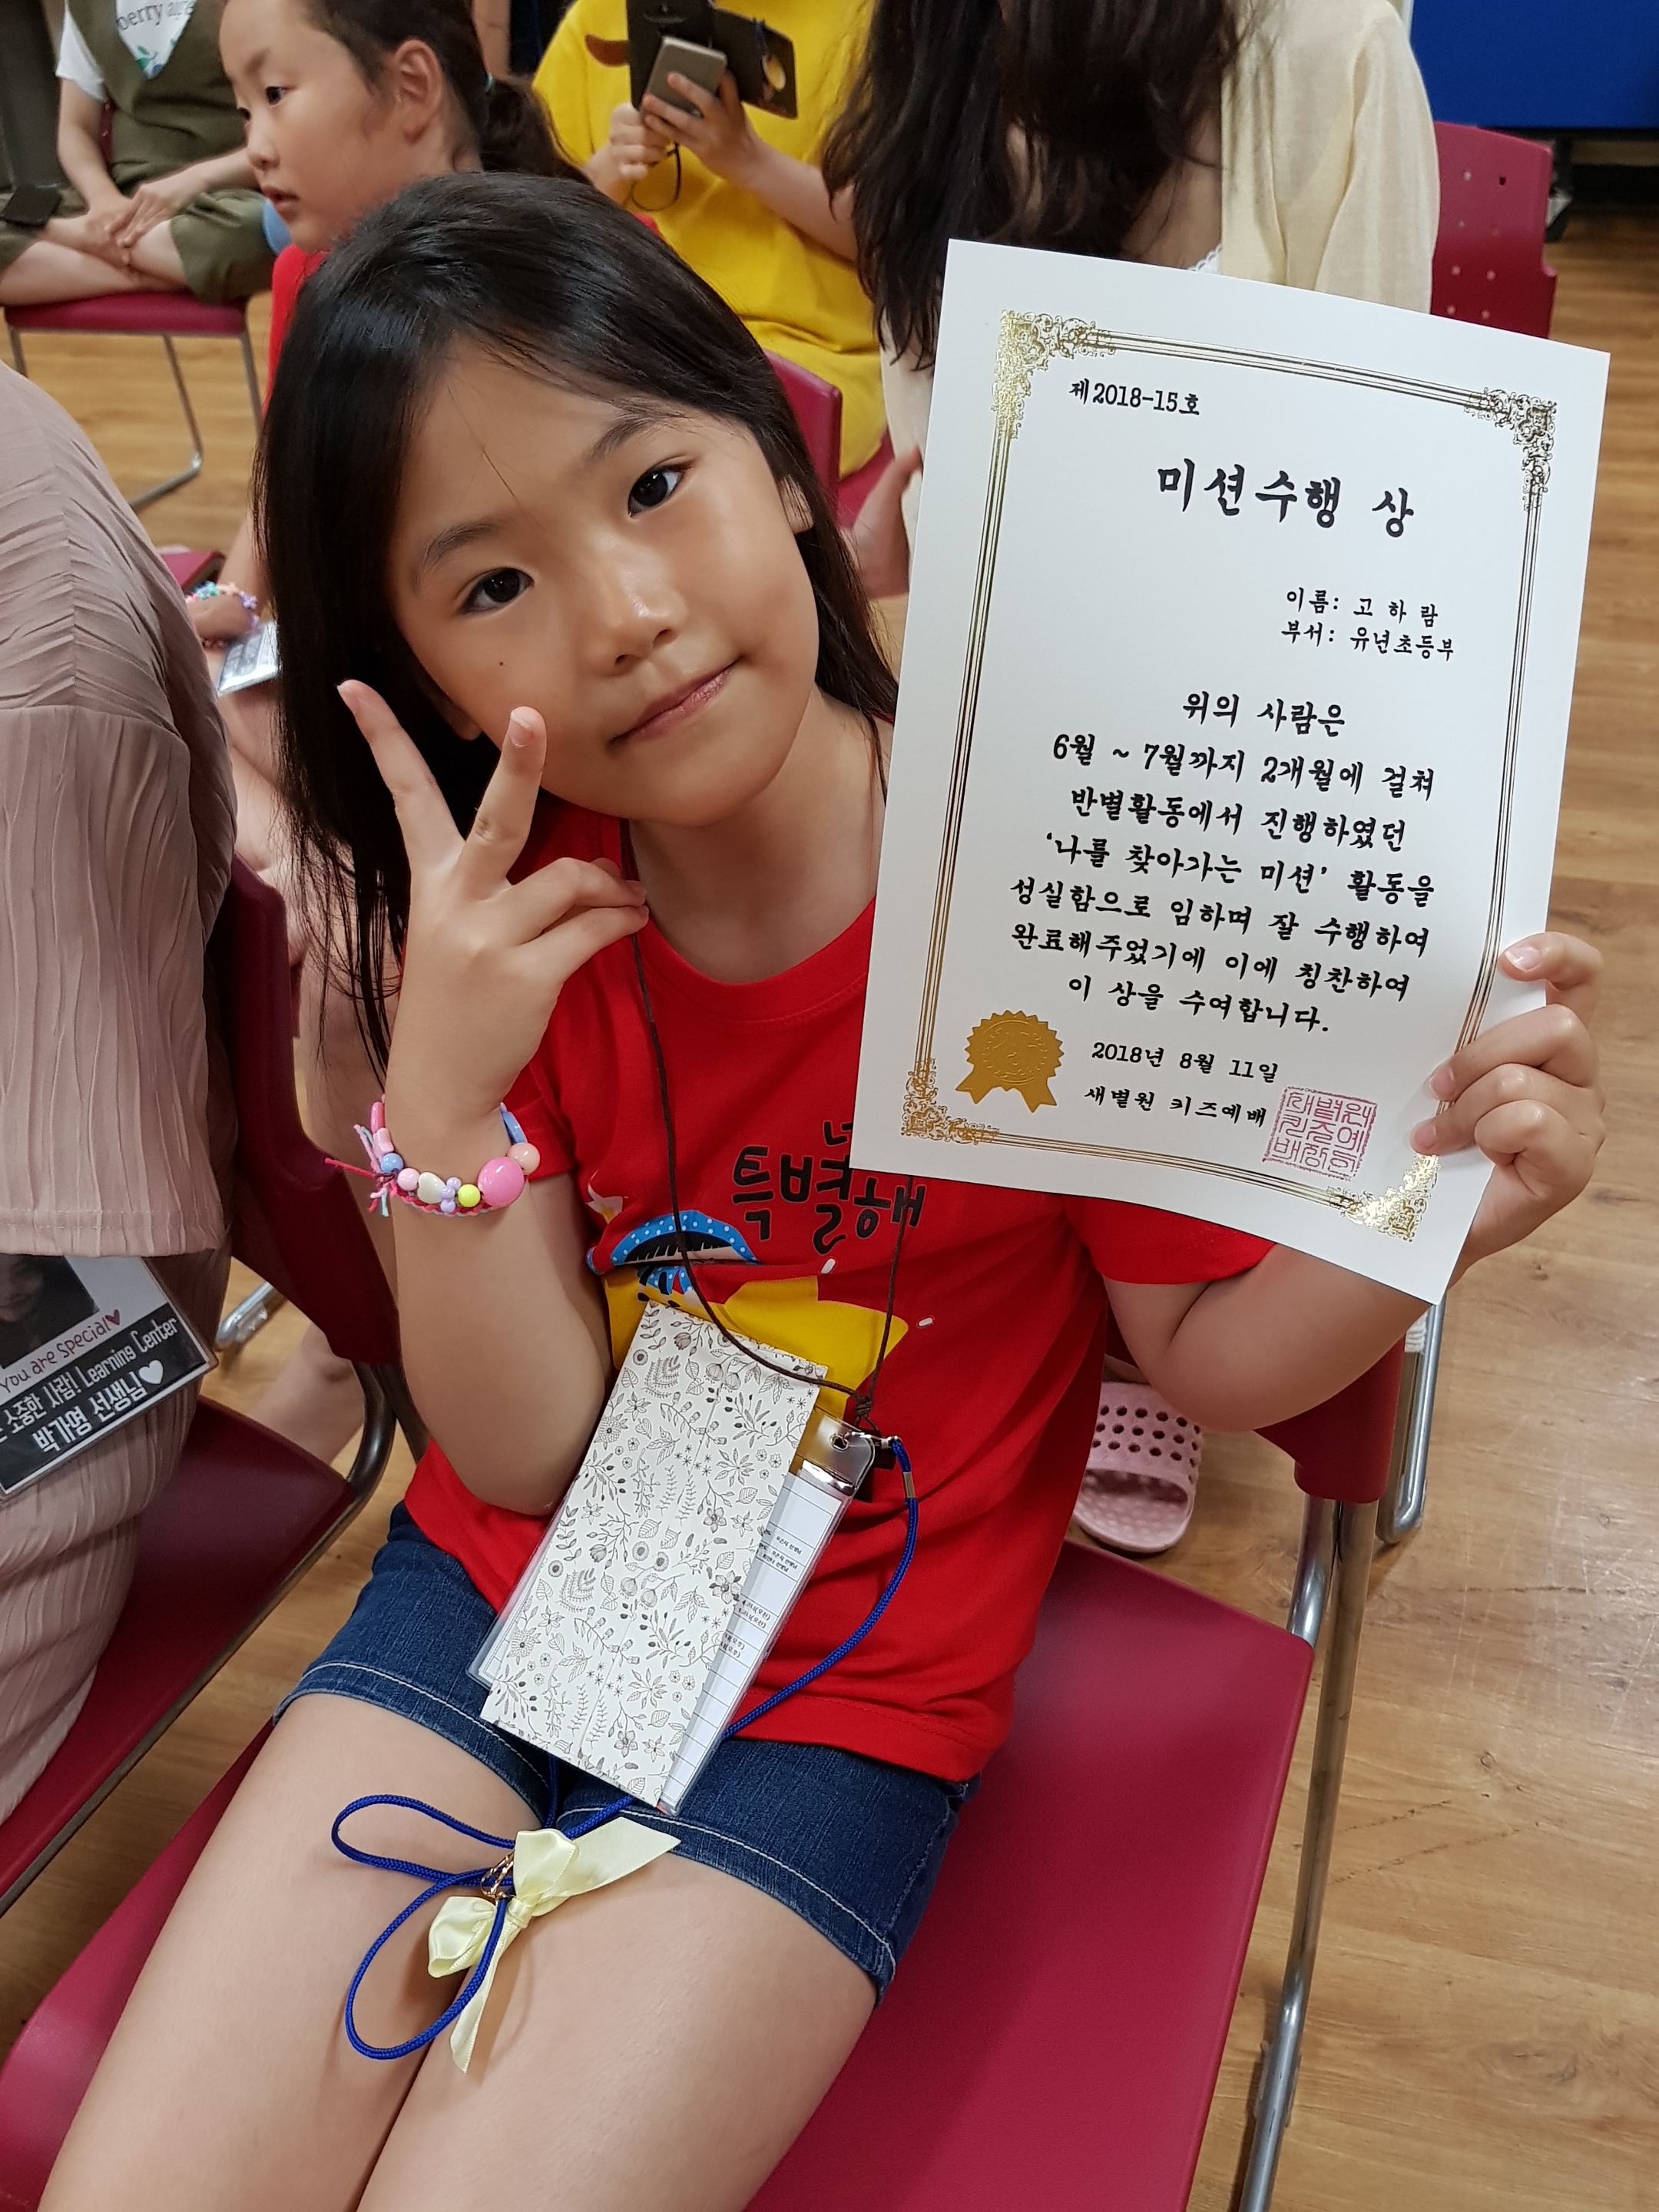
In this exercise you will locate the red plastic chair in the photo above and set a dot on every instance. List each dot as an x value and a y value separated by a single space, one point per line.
817 406
1488 258
247 1513
189 566
164 315
1054 2036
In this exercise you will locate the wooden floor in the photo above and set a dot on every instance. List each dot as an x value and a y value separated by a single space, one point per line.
1485 2026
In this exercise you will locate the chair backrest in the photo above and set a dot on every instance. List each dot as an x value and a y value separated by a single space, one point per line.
1343 1448
298 1221
1488 258
816 406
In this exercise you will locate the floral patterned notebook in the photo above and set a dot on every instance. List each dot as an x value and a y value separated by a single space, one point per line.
603 1649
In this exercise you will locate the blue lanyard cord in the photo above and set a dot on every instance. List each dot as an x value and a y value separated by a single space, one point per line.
436 1880
476 1877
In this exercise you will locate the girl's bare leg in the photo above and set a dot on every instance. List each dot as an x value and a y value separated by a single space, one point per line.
46 272
661 2043
230 2086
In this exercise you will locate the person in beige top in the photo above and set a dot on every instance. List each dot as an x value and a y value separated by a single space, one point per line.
1285 140
115 1128
1288 141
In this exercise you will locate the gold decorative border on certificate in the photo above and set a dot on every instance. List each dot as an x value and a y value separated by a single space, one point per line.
924 1116
1028 343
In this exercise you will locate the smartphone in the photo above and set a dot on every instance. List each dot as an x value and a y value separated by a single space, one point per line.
762 59
651 22
704 65
32 206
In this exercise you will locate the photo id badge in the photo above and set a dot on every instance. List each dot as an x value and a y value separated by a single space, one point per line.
85 1347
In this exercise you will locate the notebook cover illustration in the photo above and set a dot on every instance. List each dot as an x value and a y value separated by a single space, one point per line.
609 1638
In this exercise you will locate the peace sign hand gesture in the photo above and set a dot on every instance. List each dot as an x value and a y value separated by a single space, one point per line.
485 958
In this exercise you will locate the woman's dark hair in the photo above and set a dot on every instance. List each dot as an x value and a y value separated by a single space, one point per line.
1105 96
510 125
554 279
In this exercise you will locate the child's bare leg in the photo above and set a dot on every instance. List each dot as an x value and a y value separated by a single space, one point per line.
229 2083
46 272
315 1401
660 2044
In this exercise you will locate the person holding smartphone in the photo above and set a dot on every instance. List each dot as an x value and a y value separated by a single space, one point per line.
738 194
165 201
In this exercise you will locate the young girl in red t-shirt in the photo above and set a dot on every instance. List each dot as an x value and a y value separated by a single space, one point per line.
545 535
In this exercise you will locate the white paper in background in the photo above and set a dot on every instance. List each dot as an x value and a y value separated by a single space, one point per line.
1237 677
119 1345
605 1645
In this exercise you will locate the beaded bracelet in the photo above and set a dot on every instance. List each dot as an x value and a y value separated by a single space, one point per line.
210 590
497 1183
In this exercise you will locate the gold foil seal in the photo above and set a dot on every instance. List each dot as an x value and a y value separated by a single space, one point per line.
1012 1052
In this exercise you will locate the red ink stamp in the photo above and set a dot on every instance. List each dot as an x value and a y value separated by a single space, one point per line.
1321 1132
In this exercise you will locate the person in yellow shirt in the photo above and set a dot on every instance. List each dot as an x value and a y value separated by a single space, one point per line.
749 210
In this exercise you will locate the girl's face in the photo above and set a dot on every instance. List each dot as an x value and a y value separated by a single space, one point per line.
326 146
628 572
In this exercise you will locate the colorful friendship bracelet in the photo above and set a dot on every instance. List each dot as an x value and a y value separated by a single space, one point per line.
211 591
496 1184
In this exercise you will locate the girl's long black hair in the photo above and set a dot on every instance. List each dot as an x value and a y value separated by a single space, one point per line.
1105 96
508 125
554 278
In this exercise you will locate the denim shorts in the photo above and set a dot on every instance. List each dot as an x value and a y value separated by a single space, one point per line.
852 1845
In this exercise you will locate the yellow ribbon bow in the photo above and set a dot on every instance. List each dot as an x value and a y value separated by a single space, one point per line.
547 1869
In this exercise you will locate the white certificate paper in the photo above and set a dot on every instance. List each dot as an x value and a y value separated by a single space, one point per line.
1236 678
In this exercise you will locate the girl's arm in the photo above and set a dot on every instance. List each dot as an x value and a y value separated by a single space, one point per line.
80 120
504 1335
216 621
493 21
163 198
1293 1331
724 140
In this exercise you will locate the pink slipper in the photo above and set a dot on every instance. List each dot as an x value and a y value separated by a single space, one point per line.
1139 1492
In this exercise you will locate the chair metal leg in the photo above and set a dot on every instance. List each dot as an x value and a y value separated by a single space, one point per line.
255 400
247 1318
17 361
1313 1570
1354 1544
153 492
1401 1513
396 1384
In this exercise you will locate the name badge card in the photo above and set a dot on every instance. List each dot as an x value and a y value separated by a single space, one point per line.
1237 679
85 1346
605 1651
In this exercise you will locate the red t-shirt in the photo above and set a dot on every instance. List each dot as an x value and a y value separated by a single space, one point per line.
992 1373
289 271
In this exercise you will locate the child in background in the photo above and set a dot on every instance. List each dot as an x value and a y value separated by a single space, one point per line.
528 479
346 102
1288 141
172 208
743 203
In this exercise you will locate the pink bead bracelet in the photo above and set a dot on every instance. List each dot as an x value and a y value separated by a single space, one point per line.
496 1184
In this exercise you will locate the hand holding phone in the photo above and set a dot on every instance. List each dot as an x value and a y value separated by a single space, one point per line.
704 65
